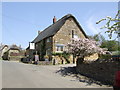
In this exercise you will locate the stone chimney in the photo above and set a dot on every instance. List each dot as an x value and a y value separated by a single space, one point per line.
54 19
39 31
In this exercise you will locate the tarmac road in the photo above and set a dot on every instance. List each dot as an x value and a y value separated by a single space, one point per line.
20 75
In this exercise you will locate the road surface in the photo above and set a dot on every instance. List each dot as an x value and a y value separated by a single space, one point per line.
20 75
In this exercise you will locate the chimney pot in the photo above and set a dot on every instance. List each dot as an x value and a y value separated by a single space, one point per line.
54 19
39 32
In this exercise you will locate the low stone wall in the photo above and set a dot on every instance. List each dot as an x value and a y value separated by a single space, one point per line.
45 62
58 60
15 58
100 70
90 58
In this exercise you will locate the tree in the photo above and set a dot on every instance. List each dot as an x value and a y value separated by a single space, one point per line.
111 45
112 24
84 47
98 38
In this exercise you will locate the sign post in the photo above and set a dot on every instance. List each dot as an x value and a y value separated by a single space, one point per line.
31 48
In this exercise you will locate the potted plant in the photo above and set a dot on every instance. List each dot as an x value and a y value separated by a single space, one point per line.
46 57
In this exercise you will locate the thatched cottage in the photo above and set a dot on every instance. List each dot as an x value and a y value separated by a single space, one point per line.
54 38
12 52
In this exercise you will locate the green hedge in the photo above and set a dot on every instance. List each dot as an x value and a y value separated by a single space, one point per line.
116 53
105 57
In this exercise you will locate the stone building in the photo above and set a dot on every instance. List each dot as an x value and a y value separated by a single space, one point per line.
54 38
3 49
12 52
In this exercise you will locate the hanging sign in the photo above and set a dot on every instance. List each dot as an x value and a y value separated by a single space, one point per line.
32 45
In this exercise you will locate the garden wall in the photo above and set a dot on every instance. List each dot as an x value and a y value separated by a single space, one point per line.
100 70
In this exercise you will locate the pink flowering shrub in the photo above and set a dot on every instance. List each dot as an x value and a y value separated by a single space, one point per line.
84 47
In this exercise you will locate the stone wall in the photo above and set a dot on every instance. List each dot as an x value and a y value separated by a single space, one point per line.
15 58
45 62
44 47
90 58
100 70
64 35
48 42
15 55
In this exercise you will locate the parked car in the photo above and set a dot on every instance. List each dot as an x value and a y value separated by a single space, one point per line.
116 85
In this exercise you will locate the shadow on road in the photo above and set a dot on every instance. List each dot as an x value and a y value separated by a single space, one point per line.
67 71
71 71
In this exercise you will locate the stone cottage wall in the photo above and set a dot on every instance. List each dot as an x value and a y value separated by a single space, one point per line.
4 50
44 47
64 35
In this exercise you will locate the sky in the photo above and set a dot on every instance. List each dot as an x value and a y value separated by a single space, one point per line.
22 20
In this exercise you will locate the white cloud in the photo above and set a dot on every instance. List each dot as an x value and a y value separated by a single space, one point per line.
91 25
93 28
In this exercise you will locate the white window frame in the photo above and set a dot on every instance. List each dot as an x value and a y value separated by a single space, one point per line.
59 47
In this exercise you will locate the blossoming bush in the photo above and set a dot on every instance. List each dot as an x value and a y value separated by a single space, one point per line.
84 47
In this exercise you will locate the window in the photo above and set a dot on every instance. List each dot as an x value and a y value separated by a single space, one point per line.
75 36
72 33
48 39
62 48
59 47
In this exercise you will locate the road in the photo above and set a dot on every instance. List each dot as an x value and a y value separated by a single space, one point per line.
20 75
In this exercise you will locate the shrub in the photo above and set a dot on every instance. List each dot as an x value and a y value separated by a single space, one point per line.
65 55
105 56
